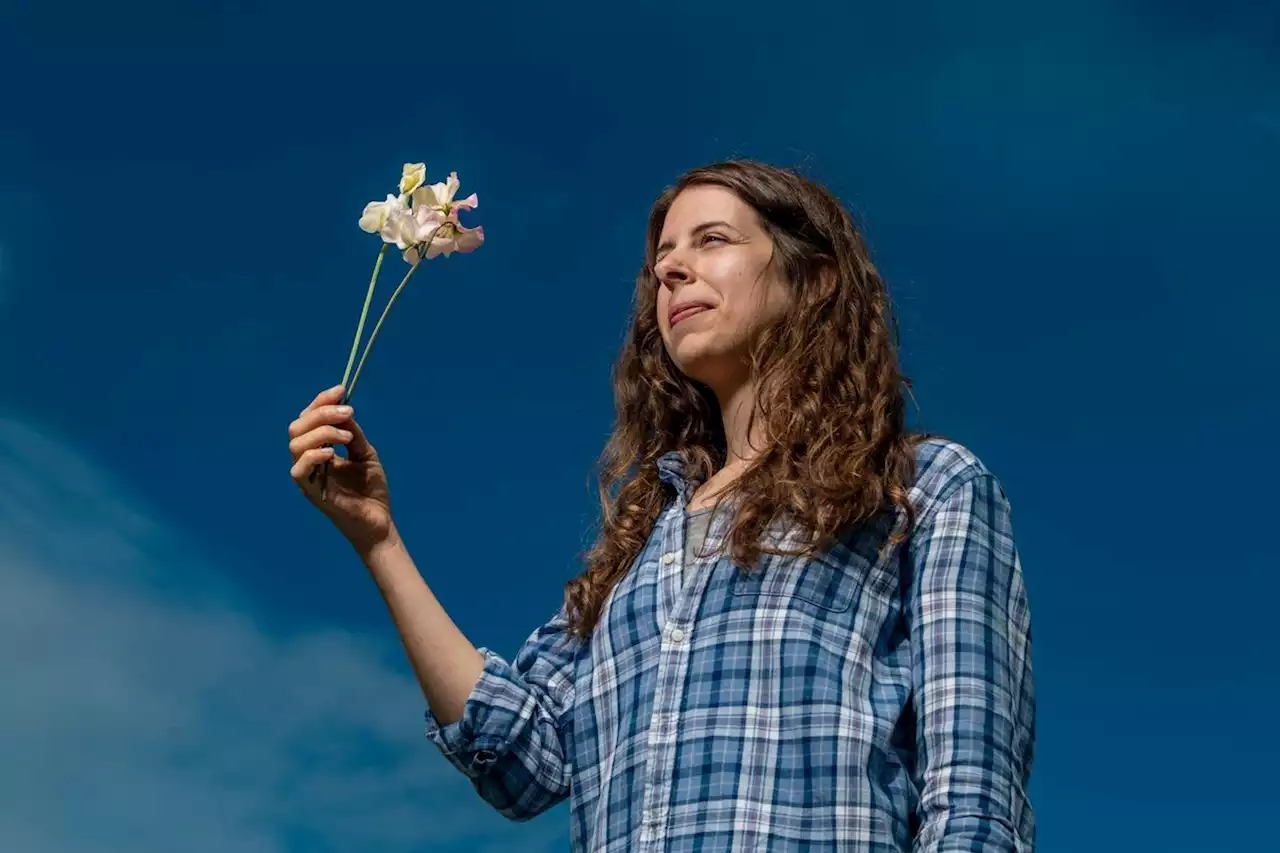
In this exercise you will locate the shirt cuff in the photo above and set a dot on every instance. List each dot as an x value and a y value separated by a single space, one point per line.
475 741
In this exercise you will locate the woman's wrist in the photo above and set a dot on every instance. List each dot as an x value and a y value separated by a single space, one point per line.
378 552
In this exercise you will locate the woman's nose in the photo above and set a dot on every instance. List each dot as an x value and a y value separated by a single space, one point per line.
672 270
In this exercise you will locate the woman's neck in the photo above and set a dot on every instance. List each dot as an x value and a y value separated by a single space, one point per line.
744 436
743 442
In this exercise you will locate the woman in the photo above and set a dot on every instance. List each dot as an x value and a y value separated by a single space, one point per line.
801 626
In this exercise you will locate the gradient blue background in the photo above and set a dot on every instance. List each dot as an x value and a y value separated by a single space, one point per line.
1074 205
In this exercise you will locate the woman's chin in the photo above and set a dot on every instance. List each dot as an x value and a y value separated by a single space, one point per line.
691 357
707 365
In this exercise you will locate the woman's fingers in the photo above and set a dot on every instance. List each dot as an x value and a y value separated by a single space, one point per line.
326 421
321 435
325 397
317 417
303 464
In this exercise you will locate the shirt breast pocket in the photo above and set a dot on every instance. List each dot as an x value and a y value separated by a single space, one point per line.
811 625
820 587
856 573
832 603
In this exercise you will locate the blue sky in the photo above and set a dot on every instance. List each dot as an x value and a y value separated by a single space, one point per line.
1072 205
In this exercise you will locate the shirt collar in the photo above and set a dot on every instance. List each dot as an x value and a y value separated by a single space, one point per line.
671 471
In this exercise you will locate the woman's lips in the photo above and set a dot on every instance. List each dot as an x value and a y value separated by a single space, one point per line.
687 312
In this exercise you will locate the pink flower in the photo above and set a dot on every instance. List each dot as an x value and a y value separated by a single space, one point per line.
449 234
423 221
415 228
440 196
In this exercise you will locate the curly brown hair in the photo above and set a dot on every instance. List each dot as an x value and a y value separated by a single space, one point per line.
830 396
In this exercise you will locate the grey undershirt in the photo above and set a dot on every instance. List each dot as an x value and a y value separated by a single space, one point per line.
696 525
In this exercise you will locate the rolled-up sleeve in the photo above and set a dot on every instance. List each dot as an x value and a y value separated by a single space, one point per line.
971 674
511 739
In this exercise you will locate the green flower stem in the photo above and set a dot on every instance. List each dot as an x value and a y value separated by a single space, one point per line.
364 314
355 345
374 334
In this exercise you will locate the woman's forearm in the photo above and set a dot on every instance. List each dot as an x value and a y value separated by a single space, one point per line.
445 662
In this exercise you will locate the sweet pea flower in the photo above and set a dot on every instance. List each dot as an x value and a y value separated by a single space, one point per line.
415 228
440 196
384 217
413 176
449 237
422 221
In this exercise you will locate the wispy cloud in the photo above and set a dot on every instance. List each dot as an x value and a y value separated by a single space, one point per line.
144 715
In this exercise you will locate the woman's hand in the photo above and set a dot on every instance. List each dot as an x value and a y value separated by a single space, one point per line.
357 501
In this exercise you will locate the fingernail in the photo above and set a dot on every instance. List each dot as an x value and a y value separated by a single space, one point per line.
344 411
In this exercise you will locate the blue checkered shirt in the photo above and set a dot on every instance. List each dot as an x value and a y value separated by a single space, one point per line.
868 700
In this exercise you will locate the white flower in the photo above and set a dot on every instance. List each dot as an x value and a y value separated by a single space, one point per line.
384 217
423 220
413 176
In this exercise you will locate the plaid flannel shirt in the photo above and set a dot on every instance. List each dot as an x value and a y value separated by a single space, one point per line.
867 700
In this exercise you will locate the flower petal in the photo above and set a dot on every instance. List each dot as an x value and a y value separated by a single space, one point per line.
412 177
379 216
427 215
469 239
407 231
439 195
373 217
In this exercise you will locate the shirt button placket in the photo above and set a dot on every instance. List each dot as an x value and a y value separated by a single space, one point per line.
662 722
662 733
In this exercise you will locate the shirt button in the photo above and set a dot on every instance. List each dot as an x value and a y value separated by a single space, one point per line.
677 635
668 559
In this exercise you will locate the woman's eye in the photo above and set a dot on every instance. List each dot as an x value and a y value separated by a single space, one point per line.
708 238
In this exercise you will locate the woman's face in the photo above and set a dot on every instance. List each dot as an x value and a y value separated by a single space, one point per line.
717 285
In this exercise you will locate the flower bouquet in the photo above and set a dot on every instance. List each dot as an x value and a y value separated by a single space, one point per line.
422 222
